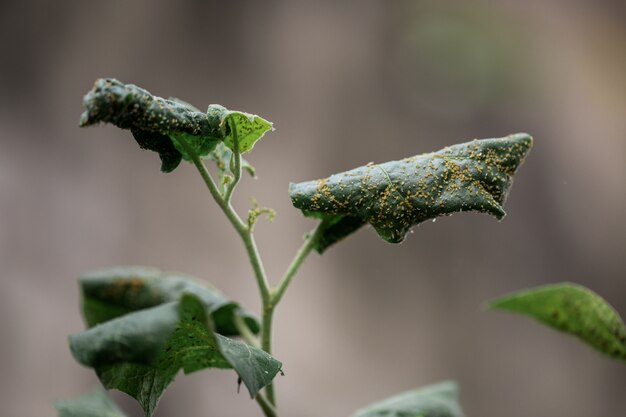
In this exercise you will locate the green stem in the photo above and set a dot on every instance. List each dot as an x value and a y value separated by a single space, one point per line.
266 344
244 330
279 291
269 297
237 169
238 224
304 251
268 409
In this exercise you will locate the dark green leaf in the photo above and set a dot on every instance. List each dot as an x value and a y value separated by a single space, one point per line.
440 400
395 196
130 107
95 403
160 124
113 292
151 119
162 144
140 353
335 228
572 309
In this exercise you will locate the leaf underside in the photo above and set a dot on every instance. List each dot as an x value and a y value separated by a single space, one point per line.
96 403
572 309
159 124
439 400
113 292
395 196
140 353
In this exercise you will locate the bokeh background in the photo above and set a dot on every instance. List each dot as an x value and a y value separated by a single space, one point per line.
346 83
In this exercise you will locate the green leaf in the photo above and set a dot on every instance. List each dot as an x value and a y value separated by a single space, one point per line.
151 119
140 353
113 292
440 400
249 127
130 107
96 403
201 145
572 309
396 195
160 124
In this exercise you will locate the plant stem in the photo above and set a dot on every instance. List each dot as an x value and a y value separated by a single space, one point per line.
244 330
277 294
268 409
306 248
266 344
243 229
269 297
237 171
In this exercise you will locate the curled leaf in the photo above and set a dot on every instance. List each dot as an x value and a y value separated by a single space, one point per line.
395 196
113 292
160 124
130 107
572 309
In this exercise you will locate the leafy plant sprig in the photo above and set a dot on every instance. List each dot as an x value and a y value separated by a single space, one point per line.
145 325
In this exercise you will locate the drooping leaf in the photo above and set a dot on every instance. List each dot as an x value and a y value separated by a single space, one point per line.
396 195
249 127
439 400
572 309
113 292
151 119
161 144
160 124
96 403
140 353
130 107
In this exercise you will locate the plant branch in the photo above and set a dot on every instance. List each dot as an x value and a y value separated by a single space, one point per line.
268 409
279 291
244 330
266 344
243 230
304 251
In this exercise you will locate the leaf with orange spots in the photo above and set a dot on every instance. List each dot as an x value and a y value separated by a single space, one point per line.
572 309
395 196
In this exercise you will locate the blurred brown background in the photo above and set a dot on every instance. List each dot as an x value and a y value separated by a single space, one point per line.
345 83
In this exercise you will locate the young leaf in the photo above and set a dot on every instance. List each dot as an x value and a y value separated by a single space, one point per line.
395 196
572 309
440 400
140 353
249 127
96 403
113 292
